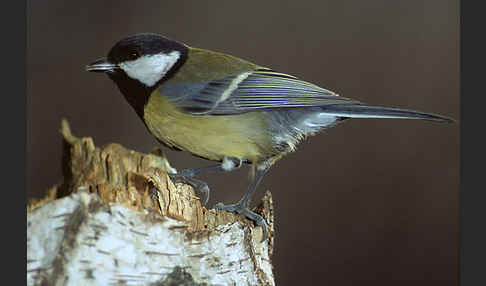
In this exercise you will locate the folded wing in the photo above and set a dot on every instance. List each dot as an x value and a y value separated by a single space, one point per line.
261 89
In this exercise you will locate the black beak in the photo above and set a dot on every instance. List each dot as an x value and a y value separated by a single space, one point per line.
101 65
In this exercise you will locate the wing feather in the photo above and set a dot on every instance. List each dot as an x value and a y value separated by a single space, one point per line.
262 89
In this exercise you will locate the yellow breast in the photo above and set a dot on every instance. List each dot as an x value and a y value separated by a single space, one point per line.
213 137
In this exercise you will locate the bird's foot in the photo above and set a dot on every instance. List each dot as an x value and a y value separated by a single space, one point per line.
187 176
241 209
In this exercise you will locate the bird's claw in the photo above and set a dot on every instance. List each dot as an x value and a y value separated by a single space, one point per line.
239 208
198 185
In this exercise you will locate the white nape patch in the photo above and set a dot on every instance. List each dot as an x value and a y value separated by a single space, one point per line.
227 164
149 69
234 85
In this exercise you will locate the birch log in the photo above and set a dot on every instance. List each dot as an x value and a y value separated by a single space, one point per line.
103 226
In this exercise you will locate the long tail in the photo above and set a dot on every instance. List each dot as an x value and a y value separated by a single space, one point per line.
365 111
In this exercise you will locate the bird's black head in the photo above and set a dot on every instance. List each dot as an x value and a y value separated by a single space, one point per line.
139 63
144 45
147 58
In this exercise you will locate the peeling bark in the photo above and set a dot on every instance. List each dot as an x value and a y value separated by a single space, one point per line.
103 226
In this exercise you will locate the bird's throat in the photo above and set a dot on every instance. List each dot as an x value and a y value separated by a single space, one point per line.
134 92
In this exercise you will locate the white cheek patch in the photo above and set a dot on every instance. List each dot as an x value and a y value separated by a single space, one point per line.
150 69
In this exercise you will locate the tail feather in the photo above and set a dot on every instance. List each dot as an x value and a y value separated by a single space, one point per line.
365 111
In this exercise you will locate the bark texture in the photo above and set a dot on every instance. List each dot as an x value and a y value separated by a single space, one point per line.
103 226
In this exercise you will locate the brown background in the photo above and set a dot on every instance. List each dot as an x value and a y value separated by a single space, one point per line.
370 201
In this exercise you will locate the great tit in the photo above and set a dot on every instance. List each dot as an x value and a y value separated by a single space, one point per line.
225 109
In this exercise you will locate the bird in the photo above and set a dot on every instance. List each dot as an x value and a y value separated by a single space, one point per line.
226 109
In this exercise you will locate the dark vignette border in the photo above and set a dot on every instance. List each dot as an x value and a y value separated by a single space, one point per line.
13 42
472 193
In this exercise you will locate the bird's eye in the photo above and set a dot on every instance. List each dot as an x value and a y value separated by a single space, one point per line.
133 55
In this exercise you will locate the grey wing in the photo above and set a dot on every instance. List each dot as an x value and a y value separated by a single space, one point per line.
261 89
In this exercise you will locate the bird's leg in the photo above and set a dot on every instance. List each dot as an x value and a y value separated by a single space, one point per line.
241 206
187 175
